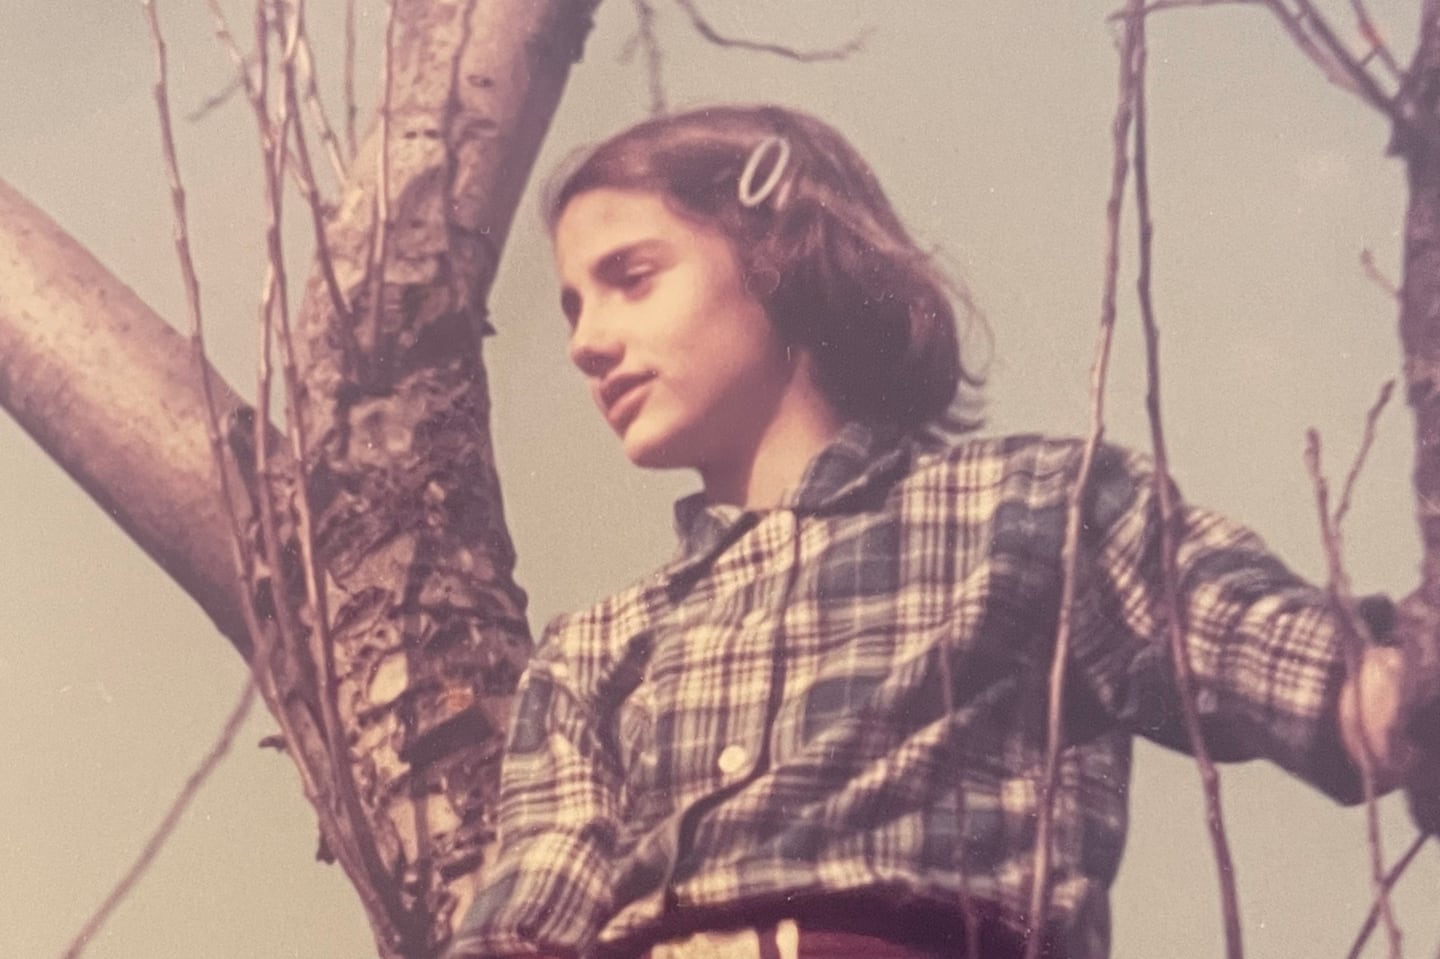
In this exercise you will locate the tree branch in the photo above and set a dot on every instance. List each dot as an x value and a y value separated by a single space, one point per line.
168 822
649 45
704 28
1354 645
83 363
1390 879
1120 136
1331 54
1169 518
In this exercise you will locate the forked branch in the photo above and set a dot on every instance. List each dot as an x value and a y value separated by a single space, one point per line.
1355 640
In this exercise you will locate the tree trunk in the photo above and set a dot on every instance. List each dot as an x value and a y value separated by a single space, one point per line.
1419 144
427 625
429 630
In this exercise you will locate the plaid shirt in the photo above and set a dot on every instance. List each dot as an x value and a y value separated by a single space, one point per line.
766 716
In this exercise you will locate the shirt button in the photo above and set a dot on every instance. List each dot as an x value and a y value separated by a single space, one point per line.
560 671
732 759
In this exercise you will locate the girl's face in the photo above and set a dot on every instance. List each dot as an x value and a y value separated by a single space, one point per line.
683 362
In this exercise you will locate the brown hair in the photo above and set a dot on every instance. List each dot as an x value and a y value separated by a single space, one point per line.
819 245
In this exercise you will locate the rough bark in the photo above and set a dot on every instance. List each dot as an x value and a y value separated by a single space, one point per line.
110 391
428 627
1418 144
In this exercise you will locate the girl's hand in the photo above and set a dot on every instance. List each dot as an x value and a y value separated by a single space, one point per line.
1373 711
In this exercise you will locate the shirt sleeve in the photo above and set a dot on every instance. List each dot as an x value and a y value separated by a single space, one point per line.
548 889
1265 647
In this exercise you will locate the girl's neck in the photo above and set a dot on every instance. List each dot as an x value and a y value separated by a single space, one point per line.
760 477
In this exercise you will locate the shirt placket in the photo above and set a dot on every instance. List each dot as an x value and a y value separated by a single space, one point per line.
767 558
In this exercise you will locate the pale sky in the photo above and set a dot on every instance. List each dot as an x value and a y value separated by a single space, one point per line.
989 125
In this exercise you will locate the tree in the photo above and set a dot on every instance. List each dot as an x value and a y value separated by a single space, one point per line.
1089 212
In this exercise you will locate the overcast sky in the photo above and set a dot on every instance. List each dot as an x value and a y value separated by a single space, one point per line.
989 125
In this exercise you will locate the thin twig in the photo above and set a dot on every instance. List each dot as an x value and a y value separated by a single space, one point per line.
216 100
1391 878
649 44
1353 643
1378 47
1120 129
191 281
241 555
351 113
1339 65
1169 515
178 805
243 65
377 889
1367 440
704 28
305 62
380 228
306 175
1372 270
1158 6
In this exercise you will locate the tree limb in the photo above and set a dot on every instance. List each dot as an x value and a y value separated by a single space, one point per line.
83 367
705 29
1169 518
1120 167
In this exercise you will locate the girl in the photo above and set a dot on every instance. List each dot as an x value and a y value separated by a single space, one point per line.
817 732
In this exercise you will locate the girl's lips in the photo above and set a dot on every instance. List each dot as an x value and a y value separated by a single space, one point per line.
616 384
626 404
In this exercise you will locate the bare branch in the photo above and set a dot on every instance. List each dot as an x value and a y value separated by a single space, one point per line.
325 774
217 99
305 63
1120 130
351 113
171 819
305 174
380 228
243 560
1169 515
704 28
1372 270
243 65
1329 53
1391 878
1158 6
1378 47
1354 646
355 846
1367 440
649 44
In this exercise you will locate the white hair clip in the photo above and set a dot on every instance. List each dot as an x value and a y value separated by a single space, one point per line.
750 194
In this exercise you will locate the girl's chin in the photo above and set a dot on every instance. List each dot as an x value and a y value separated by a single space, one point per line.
651 451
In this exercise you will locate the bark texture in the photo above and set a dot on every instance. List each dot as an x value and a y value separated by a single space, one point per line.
428 628
1417 140
427 625
110 391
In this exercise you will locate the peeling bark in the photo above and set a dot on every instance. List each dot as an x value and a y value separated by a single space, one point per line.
429 629
428 626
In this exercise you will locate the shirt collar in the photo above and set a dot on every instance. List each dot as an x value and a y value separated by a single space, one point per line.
858 458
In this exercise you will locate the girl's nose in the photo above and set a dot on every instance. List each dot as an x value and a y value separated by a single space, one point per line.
594 347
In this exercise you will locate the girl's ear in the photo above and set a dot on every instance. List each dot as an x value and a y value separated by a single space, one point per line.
761 282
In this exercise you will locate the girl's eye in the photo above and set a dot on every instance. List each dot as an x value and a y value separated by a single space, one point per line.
636 281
